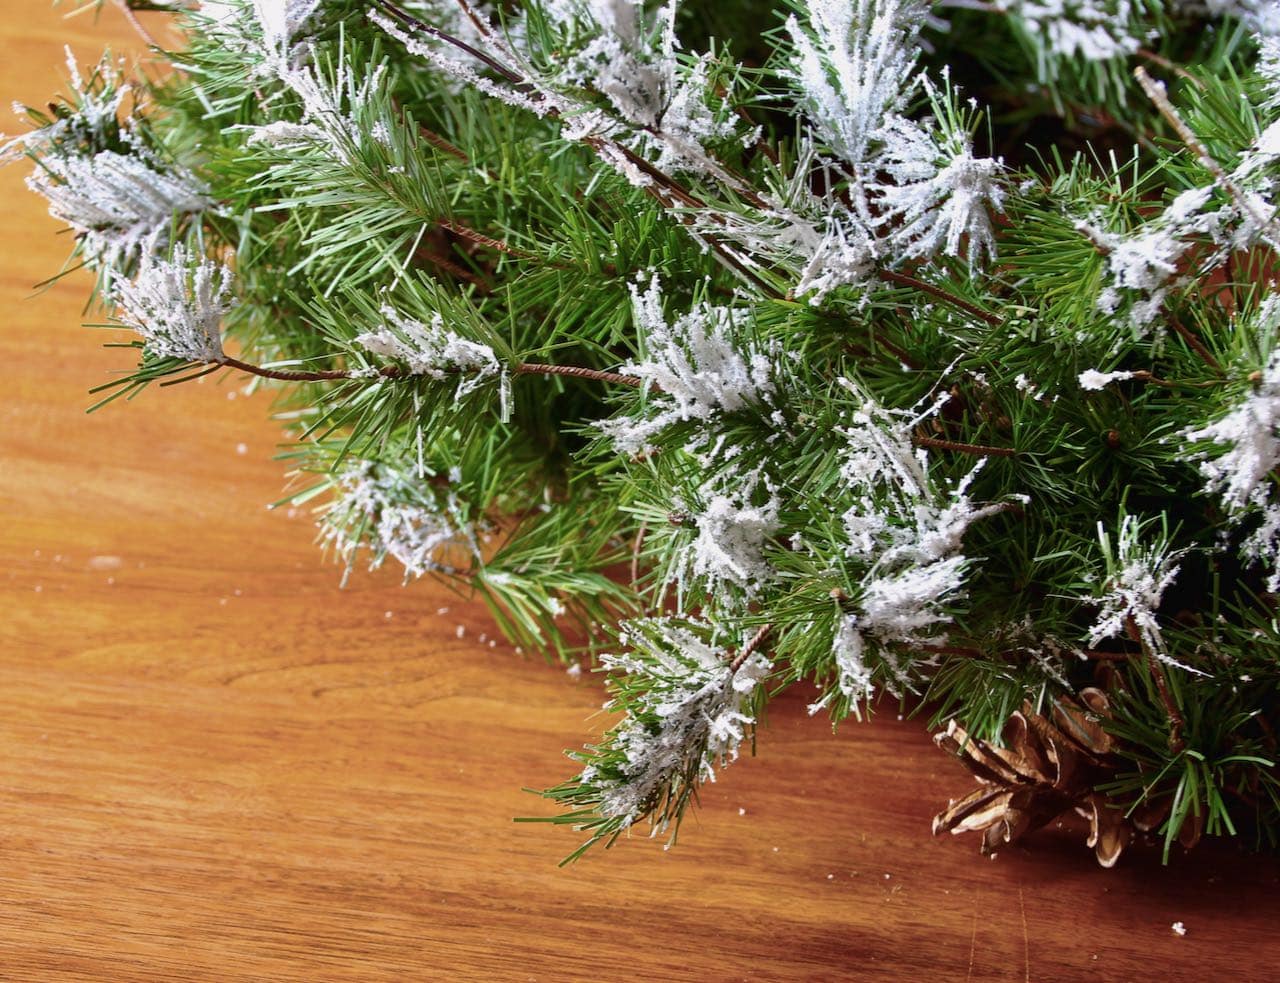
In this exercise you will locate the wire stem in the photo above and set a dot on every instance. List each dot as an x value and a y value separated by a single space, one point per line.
1195 344
756 641
1155 92
903 280
394 372
1176 744
137 25
978 450
409 20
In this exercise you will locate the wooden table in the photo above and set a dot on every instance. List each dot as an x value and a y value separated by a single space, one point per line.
218 765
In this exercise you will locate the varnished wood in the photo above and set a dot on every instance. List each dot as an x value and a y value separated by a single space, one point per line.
217 765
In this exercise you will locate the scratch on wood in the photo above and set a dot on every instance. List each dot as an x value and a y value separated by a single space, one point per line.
1026 938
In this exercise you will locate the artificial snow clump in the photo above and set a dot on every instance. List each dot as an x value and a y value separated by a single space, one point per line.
694 366
102 177
121 205
690 712
1095 30
1138 574
906 606
279 22
854 676
1092 380
853 61
177 306
945 203
732 533
1261 16
393 515
1242 453
906 534
1238 474
97 108
1269 66
431 349
855 69
644 82
328 105
940 193
843 253
1141 266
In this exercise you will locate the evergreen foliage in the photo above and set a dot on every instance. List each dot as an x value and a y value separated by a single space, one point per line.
887 348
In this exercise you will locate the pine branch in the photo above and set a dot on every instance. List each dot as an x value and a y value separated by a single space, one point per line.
905 280
1156 670
405 209
396 373
1156 93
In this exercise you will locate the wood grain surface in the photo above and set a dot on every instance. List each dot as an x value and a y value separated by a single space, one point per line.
217 765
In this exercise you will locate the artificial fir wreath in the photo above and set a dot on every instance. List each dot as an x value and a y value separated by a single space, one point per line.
928 351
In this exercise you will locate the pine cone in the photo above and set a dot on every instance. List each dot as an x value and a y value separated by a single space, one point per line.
1047 767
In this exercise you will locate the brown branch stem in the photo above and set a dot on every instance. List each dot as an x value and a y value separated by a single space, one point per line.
480 239
1176 744
1142 375
1195 344
755 642
904 280
973 653
137 25
440 143
578 372
293 375
978 450
1155 92
1167 65
394 372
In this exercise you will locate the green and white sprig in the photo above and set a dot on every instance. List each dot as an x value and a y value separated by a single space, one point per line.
105 176
690 705
177 306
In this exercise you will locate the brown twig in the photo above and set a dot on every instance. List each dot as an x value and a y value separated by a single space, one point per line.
440 143
1155 92
904 280
480 239
394 372
578 372
1194 343
756 641
899 353
1142 375
978 450
1176 744
296 375
1167 65
1093 655
137 25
